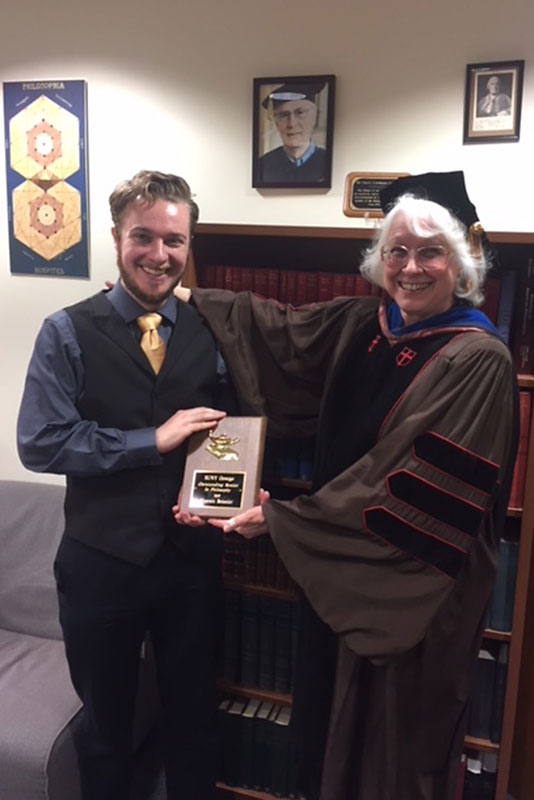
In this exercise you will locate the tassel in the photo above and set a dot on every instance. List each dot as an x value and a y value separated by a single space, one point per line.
474 238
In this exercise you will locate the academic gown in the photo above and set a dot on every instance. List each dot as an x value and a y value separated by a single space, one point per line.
395 549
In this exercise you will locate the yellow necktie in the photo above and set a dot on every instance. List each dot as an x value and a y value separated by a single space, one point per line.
151 342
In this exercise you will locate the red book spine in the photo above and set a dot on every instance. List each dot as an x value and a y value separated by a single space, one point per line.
363 287
282 286
350 285
312 287
523 343
273 283
374 290
325 290
291 287
338 284
301 288
228 278
208 276
517 488
492 292
236 278
260 281
247 279
219 276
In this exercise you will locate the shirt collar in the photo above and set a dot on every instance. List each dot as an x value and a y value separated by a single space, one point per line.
129 309
303 158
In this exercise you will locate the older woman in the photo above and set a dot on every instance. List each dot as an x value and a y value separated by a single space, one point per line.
395 549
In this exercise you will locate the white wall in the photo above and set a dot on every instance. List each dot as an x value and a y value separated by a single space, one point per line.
170 86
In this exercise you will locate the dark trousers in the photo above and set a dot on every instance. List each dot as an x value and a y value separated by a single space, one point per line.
106 607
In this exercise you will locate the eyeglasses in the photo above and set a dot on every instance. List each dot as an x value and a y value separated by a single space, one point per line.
430 255
297 113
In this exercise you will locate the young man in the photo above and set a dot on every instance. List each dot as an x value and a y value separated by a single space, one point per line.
111 406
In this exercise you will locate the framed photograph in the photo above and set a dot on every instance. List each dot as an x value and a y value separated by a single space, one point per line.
292 132
362 192
493 95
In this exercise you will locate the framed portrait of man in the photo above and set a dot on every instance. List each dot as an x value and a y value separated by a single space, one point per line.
493 95
292 132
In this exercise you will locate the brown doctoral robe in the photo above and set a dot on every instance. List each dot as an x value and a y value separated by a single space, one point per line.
395 550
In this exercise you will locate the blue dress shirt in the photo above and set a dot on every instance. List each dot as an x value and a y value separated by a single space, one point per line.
51 435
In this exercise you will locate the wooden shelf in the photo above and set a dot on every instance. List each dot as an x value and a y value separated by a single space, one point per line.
290 483
231 792
253 692
265 591
499 636
291 231
514 512
309 232
481 744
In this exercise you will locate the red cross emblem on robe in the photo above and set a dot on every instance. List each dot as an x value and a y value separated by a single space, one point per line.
374 343
405 357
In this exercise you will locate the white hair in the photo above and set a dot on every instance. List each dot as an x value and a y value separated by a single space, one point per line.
425 218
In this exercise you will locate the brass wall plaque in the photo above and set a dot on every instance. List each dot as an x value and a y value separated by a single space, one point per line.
223 468
362 198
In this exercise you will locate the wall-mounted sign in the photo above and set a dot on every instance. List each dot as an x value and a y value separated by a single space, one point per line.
46 169
362 192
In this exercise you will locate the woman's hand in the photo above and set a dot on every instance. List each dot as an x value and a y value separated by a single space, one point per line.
249 524
182 293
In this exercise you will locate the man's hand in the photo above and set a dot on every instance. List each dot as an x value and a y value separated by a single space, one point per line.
183 423
249 524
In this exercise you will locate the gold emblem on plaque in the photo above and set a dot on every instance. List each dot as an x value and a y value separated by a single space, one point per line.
221 447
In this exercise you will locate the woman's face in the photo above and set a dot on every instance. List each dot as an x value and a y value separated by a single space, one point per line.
423 283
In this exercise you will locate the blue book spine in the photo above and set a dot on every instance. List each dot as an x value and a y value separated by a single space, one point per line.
505 311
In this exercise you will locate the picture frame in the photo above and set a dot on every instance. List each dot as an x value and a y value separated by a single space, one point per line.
45 132
362 193
493 99
292 132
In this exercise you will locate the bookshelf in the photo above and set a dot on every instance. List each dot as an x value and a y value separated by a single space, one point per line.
322 250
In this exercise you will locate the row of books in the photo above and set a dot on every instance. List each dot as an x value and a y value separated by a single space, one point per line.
487 696
296 287
522 337
256 750
259 641
517 489
288 458
253 561
509 299
477 777
501 608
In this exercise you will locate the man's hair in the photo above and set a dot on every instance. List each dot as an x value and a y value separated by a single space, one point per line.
150 186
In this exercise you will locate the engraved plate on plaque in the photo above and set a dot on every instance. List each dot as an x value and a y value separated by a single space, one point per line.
223 468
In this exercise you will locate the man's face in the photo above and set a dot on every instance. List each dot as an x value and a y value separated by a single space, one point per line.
295 121
152 244
494 85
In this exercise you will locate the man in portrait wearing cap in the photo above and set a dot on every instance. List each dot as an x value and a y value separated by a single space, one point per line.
293 109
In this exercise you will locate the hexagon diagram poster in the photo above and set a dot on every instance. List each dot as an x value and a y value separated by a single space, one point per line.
46 171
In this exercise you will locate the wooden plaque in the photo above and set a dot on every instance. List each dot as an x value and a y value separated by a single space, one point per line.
223 468
362 198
